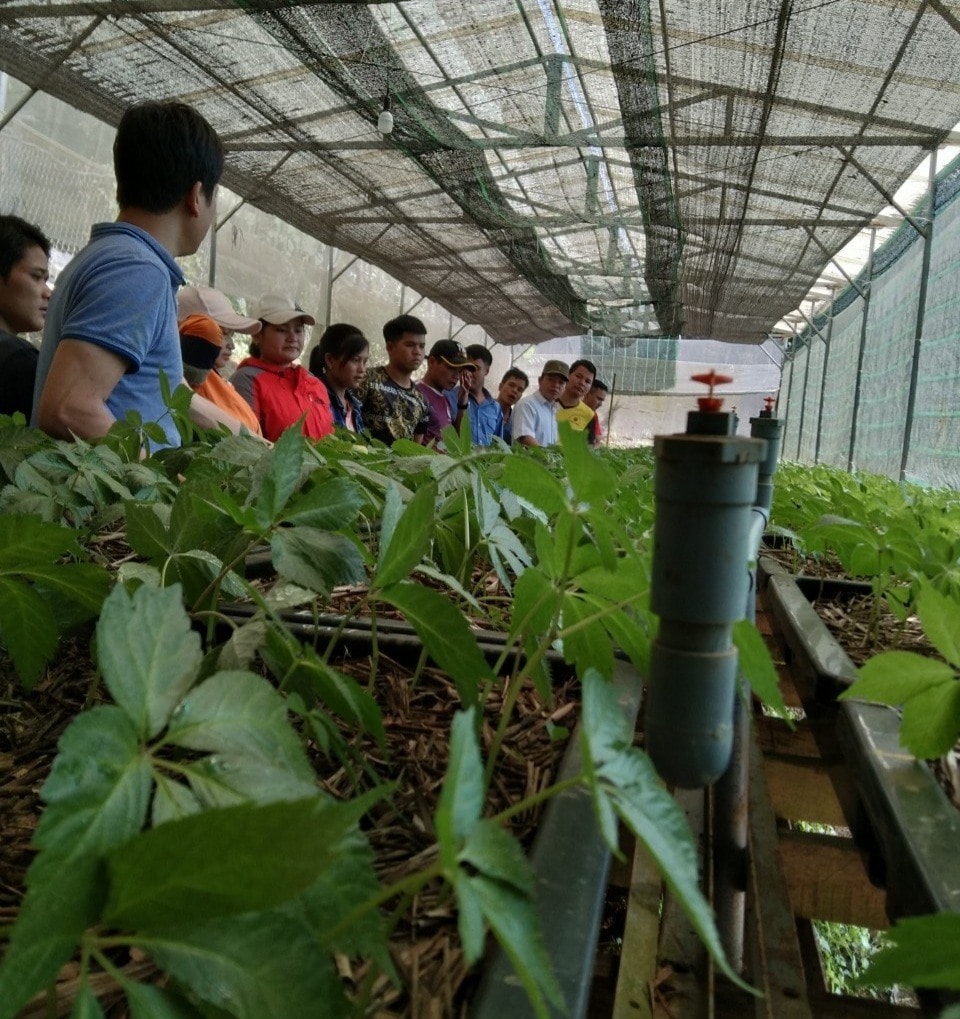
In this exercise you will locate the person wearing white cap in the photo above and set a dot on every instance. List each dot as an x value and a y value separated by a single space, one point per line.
212 303
280 391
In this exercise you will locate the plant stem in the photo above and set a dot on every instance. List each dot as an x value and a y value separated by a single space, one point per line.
409 885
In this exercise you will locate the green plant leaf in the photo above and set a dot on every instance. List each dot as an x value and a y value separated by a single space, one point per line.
85 1005
496 853
535 603
470 921
171 800
403 548
147 528
239 713
514 922
282 478
97 796
316 560
626 777
26 540
148 1002
329 506
758 668
82 583
893 677
234 964
445 635
588 646
940 617
533 483
925 953
28 629
461 798
224 862
931 721
592 480
148 654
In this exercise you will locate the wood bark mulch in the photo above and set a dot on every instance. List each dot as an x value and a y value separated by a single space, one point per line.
417 716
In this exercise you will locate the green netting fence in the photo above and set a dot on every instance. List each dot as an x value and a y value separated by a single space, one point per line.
846 389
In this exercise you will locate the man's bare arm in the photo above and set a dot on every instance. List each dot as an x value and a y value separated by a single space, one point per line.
81 378
206 414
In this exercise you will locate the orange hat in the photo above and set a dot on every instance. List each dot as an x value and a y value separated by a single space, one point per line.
200 341
203 327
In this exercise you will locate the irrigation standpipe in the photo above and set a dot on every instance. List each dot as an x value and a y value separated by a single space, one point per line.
712 492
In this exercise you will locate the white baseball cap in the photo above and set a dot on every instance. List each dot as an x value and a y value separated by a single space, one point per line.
277 309
213 304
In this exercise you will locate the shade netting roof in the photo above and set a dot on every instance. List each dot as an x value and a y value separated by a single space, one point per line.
556 166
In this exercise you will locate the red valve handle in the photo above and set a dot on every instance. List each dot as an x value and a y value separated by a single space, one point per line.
711 403
768 402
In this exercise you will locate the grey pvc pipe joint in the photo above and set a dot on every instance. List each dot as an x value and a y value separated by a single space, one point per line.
705 490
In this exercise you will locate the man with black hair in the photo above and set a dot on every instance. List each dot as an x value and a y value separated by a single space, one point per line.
393 407
111 328
486 417
24 294
594 400
571 407
509 393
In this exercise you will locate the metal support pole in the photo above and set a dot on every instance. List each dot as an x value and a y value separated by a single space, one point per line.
786 417
858 382
921 310
212 271
806 381
823 376
329 309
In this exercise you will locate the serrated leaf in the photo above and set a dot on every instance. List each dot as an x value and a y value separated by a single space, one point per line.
470 921
532 482
224 862
28 629
585 644
85 1005
171 801
461 798
329 506
592 480
931 721
148 654
409 540
514 922
925 953
627 778
26 540
445 634
96 796
341 694
893 677
82 583
146 529
282 478
758 668
940 617
148 1002
234 964
496 853
239 713
535 603
316 560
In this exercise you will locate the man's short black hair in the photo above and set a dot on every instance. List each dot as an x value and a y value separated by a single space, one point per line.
160 152
396 327
584 363
477 351
516 373
598 384
16 235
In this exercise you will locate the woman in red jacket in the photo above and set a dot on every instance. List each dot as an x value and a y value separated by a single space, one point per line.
279 391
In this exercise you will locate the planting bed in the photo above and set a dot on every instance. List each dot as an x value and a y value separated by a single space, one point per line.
424 945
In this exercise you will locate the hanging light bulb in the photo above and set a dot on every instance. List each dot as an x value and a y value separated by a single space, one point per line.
385 120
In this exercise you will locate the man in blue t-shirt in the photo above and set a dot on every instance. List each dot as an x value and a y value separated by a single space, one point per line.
486 415
111 326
